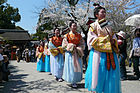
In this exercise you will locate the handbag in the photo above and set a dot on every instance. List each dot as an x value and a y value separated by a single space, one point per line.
137 51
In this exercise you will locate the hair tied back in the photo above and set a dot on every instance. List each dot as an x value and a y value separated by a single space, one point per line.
96 5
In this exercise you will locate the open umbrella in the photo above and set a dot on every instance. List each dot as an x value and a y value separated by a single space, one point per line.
133 20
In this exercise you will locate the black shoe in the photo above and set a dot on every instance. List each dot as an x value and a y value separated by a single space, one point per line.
74 85
123 78
42 71
137 78
130 64
60 80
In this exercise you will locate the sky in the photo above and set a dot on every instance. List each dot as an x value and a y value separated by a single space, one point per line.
27 9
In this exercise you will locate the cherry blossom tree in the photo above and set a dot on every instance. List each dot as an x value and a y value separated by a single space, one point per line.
117 12
60 12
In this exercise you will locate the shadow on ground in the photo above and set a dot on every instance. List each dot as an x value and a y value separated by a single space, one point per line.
131 76
15 82
51 86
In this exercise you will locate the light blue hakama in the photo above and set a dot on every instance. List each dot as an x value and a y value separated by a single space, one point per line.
69 74
40 65
47 63
57 64
52 65
108 81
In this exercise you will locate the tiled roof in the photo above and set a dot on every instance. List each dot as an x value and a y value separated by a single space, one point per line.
14 34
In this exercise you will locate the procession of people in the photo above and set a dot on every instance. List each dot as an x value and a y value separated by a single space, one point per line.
106 62
62 55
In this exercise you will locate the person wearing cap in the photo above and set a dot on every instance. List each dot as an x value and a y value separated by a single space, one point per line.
136 59
122 44
103 72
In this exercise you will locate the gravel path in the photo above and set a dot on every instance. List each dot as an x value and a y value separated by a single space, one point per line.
25 79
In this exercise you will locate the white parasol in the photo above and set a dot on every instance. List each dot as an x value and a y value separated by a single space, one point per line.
133 20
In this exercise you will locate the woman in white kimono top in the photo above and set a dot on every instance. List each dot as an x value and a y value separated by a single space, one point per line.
103 74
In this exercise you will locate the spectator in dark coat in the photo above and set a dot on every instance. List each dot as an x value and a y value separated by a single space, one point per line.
122 44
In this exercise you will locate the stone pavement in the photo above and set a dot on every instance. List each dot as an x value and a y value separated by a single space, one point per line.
25 79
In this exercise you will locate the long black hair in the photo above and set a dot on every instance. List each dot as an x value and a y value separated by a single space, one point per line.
97 9
137 30
71 22
55 29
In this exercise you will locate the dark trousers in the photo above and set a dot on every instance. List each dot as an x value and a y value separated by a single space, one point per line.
5 71
0 73
32 58
135 61
85 58
122 59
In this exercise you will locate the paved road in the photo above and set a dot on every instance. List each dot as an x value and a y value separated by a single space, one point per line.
25 79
